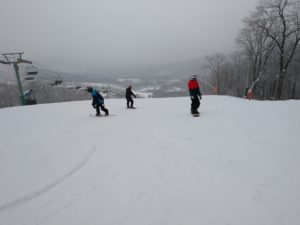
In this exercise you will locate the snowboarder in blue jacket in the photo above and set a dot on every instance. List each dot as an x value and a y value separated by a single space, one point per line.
98 101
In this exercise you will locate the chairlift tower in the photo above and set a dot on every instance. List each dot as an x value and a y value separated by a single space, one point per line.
15 59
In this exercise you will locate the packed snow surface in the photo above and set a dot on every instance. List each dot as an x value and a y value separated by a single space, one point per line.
238 163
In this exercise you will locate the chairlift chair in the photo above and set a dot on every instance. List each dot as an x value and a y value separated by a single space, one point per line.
31 70
29 77
58 81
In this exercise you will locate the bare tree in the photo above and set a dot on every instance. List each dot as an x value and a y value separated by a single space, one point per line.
279 20
215 63
240 72
294 75
258 49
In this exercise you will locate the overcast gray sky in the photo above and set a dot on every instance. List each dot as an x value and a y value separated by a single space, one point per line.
79 34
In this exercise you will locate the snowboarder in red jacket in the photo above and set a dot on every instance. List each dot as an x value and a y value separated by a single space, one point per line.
195 94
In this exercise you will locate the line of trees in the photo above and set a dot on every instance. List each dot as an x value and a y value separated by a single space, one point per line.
267 63
43 92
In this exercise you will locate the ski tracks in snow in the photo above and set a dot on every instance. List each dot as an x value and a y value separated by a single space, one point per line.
26 198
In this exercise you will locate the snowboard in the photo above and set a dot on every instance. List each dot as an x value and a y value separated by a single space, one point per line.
101 116
110 115
195 114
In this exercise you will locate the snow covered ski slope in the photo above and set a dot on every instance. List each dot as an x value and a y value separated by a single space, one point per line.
238 163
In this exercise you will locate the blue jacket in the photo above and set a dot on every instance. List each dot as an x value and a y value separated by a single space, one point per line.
97 98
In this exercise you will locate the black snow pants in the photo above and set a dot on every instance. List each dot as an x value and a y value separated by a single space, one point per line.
195 104
129 102
102 108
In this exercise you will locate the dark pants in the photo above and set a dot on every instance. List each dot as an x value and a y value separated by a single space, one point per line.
102 108
195 104
129 100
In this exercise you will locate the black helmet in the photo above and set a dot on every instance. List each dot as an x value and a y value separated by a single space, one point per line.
89 89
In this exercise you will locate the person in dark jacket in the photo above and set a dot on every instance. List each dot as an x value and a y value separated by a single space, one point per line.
129 99
98 101
195 94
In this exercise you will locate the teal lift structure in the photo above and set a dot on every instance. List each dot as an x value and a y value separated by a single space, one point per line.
15 59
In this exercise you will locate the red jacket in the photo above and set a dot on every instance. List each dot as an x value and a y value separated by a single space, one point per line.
194 88
193 84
